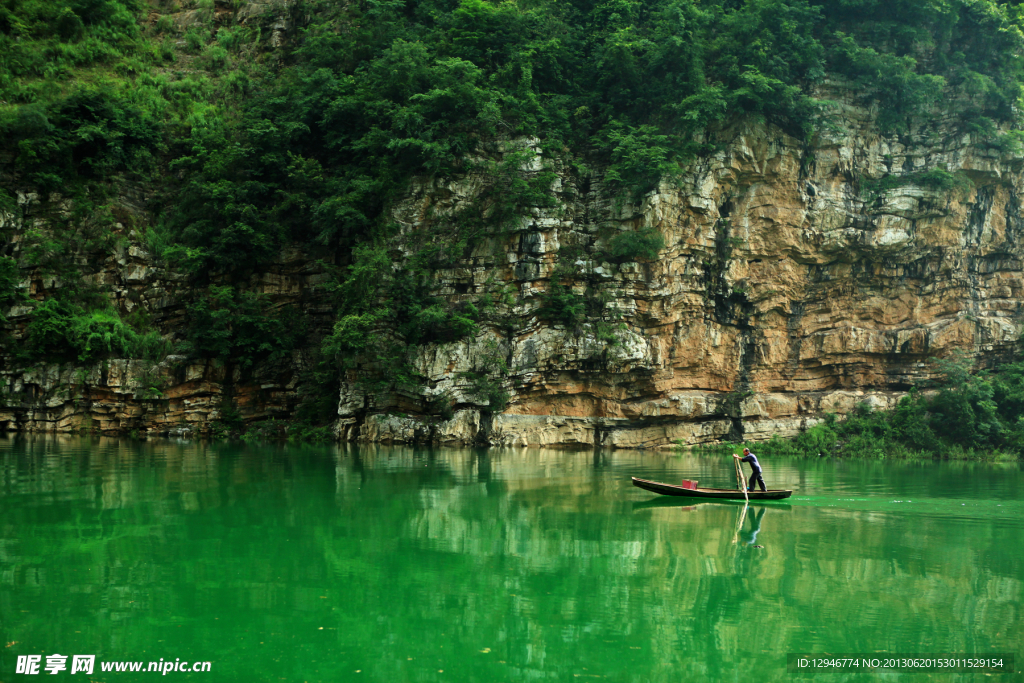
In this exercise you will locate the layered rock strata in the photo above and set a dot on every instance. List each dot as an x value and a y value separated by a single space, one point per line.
797 279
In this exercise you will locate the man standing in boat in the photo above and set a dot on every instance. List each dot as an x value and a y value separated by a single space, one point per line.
755 469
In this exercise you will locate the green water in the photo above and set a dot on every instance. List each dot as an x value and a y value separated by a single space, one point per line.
393 564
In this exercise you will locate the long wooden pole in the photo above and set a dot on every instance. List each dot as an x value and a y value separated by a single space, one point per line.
741 479
739 526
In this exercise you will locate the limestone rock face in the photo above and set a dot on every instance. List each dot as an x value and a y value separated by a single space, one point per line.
176 395
789 286
797 278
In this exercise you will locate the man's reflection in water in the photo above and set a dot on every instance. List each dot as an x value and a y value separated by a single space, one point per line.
749 536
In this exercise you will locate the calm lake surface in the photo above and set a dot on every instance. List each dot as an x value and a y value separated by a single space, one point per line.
297 563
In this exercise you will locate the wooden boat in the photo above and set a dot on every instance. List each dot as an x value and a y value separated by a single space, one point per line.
729 494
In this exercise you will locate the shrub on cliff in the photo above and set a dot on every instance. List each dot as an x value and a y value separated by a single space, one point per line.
640 158
439 322
562 305
636 245
63 331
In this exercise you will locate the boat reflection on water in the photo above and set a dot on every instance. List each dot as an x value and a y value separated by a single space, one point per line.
691 504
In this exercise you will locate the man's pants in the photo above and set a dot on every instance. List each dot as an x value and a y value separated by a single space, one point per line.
755 477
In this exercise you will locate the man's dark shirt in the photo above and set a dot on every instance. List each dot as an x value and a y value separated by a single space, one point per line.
752 459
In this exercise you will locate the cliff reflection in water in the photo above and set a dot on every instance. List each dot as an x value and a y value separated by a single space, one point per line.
311 563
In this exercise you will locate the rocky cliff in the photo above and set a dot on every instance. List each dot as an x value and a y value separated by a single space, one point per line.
175 394
798 277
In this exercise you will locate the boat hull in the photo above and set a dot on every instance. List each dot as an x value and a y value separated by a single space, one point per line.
727 494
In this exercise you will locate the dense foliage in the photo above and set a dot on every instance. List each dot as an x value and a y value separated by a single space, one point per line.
240 328
371 93
388 89
630 246
64 330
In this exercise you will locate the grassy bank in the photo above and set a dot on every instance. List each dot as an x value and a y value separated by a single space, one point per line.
970 417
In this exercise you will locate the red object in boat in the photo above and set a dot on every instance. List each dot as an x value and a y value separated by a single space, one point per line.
687 484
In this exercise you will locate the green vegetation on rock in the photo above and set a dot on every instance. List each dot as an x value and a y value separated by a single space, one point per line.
371 93
66 331
979 416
